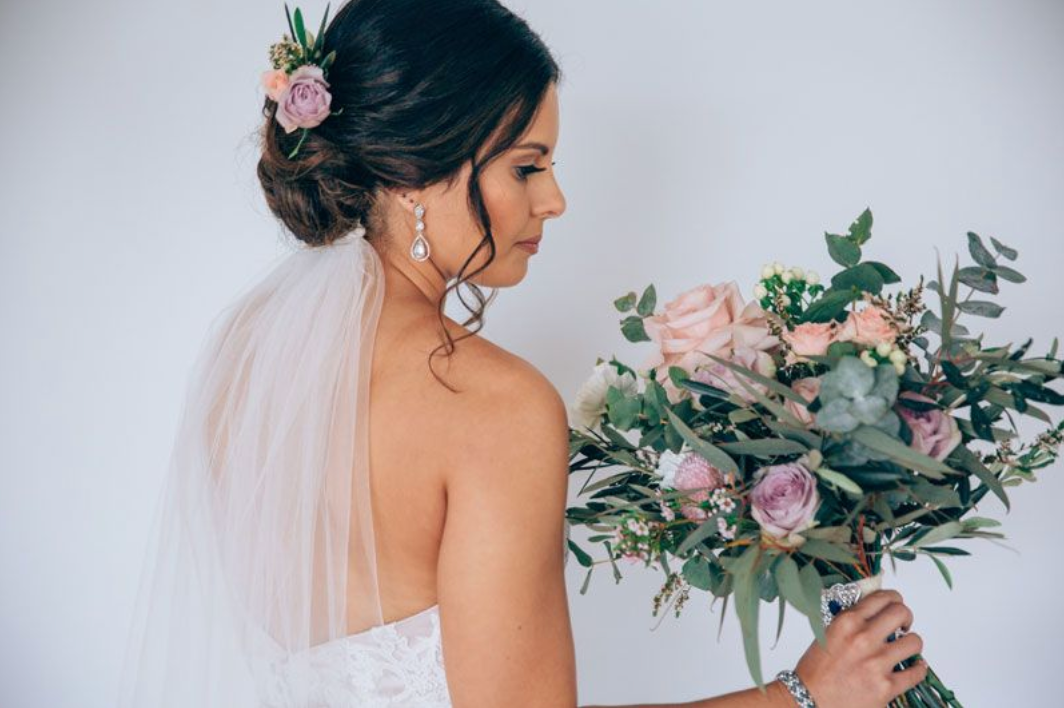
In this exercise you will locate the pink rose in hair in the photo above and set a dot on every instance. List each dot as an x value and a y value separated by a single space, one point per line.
708 319
809 389
275 82
304 103
935 432
784 501
696 475
809 339
869 327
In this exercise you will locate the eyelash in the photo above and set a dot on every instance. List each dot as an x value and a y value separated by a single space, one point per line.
525 170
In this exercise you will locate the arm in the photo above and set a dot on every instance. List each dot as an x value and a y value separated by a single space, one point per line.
507 638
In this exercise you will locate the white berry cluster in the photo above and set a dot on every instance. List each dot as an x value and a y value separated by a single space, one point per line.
886 353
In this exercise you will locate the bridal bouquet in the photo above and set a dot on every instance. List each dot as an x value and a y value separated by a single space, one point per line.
781 448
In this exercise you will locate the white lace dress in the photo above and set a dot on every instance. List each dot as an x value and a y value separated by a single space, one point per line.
388 666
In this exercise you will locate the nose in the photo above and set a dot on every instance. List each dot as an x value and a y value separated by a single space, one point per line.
552 203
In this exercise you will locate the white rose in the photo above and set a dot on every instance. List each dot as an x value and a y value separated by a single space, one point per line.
668 463
590 401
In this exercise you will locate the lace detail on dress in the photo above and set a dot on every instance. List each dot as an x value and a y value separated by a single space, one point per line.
391 665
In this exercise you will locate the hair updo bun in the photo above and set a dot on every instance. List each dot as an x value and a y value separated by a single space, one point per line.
312 194
419 88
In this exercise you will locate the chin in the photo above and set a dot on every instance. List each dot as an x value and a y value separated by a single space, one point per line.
503 274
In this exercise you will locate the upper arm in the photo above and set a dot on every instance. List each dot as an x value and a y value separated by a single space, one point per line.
507 638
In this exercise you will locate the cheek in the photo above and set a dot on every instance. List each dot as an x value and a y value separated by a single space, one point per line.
507 205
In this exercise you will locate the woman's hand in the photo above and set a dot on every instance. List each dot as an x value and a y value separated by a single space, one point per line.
856 668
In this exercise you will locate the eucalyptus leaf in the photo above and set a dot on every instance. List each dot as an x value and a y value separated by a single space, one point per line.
1009 274
817 548
980 308
828 306
647 302
939 533
889 276
697 573
861 228
979 253
842 250
1010 253
981 279
633 330
706 529
747 606
863 277
944 570
812 587
836 417
625 302
839 480
766 447
716 457
900 452
581 555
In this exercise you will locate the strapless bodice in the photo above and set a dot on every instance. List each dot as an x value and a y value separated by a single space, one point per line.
391 665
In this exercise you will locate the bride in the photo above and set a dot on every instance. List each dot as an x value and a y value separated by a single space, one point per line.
365 504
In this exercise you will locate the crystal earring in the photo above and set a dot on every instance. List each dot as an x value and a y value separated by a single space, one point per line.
419 250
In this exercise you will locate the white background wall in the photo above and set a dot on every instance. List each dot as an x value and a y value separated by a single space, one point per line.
698 140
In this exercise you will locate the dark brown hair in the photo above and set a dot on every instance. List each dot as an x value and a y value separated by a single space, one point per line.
421 86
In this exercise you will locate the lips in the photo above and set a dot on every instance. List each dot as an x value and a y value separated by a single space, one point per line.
531 245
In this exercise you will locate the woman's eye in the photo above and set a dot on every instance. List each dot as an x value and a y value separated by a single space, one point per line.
524 171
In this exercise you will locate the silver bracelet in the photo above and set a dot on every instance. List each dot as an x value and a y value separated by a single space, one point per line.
801 694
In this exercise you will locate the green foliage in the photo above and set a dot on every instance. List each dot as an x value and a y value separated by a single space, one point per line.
880 497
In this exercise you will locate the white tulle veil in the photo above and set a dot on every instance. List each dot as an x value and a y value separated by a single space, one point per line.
262 545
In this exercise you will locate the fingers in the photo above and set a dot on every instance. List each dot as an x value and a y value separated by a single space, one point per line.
902 681
871 604
901 649
888 619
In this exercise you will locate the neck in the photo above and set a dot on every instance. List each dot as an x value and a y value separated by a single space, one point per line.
406 277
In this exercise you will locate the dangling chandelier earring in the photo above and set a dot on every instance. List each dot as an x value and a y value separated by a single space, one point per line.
419 250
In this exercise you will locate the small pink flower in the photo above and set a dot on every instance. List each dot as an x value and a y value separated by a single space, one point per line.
305 102
809 389
275 82
809 339
784 501
869 327
695 475
935 432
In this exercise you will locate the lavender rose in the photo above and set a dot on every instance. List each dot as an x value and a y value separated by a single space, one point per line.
784 501
935 432
305 101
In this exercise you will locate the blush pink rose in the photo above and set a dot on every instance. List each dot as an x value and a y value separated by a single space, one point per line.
809 389
275 82
809 339
935 432
708 319
869 327
784 501
695 475
304 103
719 375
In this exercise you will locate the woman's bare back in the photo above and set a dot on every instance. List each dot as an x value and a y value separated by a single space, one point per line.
414 421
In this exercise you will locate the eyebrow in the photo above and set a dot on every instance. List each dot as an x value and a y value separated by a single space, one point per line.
543 149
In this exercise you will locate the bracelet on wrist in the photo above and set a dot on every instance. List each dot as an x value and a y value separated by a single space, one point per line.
797 689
